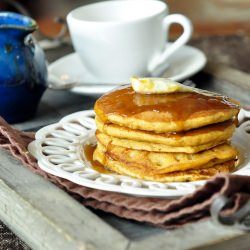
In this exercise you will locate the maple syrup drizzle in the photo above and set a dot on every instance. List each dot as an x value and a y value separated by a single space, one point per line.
88 152
178 106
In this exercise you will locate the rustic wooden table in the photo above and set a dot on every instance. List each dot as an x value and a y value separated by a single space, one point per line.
45 217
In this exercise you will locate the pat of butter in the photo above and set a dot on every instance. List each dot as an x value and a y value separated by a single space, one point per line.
157 86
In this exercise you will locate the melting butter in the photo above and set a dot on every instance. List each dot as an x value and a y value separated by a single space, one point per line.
157 86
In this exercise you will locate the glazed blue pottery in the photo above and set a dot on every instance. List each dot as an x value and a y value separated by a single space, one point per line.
23 72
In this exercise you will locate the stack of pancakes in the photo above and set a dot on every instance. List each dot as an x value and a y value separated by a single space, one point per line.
182 136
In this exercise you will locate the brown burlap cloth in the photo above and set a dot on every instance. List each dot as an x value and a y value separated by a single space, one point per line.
160 212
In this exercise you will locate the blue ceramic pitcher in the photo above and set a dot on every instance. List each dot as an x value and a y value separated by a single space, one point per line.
23 72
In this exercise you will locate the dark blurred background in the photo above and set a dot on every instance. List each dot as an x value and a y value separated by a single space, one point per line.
221 27
210 17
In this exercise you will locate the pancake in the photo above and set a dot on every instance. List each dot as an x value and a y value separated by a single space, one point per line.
163 113
177 176
160 163
214 133
148 146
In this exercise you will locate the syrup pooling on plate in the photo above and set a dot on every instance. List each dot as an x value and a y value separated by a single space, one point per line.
88 152
177 106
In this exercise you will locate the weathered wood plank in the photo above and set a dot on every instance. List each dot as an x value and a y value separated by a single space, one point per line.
55 105
234 76
235 84
131 229
240 243
226 88
190 237
45 217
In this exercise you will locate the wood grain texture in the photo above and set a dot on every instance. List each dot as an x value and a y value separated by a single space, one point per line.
236 77
45 217
191 236
239 243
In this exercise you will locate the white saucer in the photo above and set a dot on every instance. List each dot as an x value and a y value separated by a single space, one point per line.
184 63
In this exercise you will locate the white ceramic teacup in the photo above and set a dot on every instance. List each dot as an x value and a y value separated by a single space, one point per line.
118 39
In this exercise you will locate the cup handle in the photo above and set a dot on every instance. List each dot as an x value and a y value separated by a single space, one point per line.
170 49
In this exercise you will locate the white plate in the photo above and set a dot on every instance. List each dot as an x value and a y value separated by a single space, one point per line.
184 63
59 151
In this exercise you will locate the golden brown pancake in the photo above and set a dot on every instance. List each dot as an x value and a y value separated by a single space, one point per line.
155 147
177 176
165 112
181 136
214 133
161 163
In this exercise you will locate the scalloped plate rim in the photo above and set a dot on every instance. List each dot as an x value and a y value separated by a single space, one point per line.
35 149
